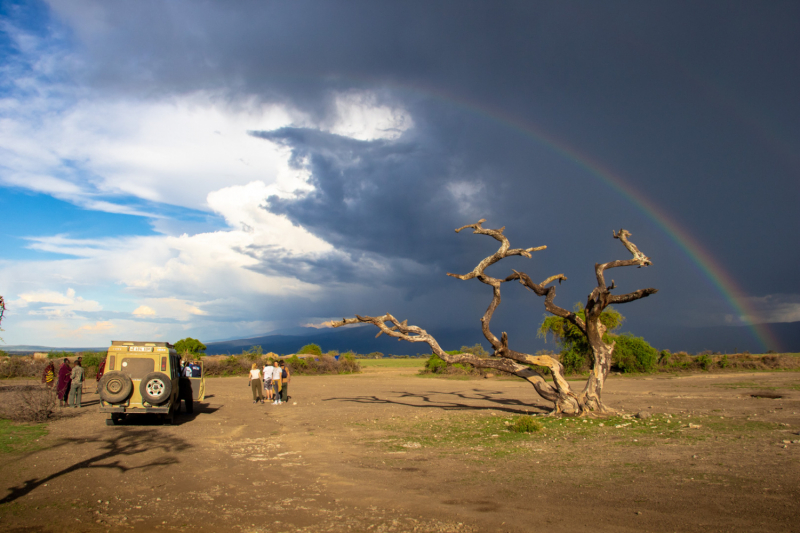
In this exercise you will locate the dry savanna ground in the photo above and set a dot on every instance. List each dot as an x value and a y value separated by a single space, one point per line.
386 450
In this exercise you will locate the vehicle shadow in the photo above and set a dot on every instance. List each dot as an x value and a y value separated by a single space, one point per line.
199 409
439 400
149 419
113 450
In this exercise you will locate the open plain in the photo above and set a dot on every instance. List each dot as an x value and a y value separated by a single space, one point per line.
387 450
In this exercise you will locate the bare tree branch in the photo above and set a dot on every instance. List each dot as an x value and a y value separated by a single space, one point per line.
514 363
625 298
479 272
501 253
505 359
550 294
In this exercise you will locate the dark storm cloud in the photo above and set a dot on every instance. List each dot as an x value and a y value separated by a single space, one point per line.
693 104
381 196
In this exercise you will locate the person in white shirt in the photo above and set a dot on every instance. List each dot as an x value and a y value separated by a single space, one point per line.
255 384
266 372
276 382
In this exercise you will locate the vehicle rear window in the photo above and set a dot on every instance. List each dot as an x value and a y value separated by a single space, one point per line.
137 368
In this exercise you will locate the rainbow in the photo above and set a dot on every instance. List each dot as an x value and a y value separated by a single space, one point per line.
707 264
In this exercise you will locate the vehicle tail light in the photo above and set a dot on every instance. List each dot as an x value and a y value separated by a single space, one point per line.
111 363
163 364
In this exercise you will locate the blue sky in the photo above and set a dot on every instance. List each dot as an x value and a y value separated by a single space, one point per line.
216 170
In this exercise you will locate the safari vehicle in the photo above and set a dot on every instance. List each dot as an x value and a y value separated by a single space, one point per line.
143 377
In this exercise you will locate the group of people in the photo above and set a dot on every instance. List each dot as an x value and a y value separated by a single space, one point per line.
191 369
270 383
69 380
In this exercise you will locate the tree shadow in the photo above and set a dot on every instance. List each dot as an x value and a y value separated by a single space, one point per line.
113 450
425 400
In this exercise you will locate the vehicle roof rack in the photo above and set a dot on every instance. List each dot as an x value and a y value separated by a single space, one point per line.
141 343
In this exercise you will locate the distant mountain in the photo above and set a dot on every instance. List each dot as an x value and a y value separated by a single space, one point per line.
21 348
360 339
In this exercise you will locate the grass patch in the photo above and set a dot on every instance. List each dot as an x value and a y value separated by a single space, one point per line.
18 438
392 363
525 424
496 436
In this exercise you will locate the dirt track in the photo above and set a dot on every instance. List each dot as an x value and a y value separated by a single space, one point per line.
378 452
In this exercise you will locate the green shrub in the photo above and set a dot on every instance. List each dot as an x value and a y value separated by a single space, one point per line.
526 424
634 354
574 362
723 362
477 350
704 361
297 363
310 349
323 364
435 364
254 353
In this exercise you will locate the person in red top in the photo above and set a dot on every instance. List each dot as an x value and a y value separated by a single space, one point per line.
101 368
64 383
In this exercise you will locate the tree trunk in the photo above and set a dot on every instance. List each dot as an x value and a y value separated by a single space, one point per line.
591 396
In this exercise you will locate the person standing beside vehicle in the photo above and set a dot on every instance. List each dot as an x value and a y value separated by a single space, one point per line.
76 390
285 377
101 369
255 384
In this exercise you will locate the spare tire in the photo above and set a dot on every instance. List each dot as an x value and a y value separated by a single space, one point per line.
156 388
115 387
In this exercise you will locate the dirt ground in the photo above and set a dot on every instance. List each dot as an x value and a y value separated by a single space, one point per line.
389 451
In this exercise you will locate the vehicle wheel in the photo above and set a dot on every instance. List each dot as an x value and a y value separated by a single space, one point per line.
156 388
115 387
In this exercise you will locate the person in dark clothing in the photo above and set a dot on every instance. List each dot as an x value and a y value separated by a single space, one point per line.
285 378
64 380
101 369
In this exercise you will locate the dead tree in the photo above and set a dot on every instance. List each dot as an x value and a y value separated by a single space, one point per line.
504 359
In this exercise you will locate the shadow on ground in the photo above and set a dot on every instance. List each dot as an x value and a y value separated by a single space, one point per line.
113 449
438 400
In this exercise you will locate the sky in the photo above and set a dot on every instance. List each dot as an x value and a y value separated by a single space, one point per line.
222 170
